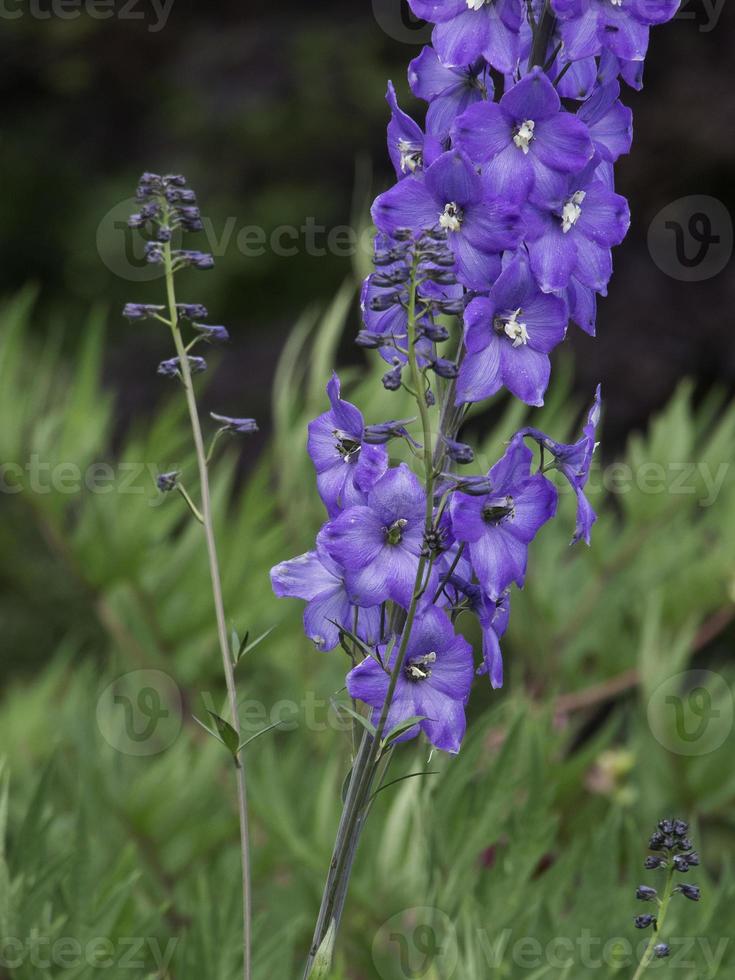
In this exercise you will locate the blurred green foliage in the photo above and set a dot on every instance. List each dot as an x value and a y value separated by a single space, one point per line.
527 847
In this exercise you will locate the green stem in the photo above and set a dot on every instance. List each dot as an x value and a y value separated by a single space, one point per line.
357 804
542 37
216 579
656 937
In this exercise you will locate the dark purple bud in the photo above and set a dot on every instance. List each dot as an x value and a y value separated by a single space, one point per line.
385 280
379 304
681 863
460 452
644 921
174 180
369 340
656 842
475 486
164 234
680 828
666 827
652 863
392 380
378 435
645 894
693 859
166 482
684 844
200 260
136 221
434 332
239 426
212 334
451 307
141 311
442 278
661 951
444 368
172 367
153 253
691 892
403 234
192 311
429 397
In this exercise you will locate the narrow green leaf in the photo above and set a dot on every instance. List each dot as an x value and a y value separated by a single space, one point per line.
367 725
402 728
246 647
400 779
263 731
207 729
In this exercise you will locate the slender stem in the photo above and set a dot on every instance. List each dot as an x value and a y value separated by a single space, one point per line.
656 937
357 803
216 579
542 37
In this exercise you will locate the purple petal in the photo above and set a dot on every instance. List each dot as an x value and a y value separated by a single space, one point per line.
483 131
453 179
499 558
410 204
355 538
479 375
320 617
562 143
534 98
304 577
533 507
525 372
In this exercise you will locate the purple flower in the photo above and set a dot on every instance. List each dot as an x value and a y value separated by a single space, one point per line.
453 197
524 136
320 581
408 148
379 543
212 334
590 26
573 233
469 29
449 91
434 683
494 616
574 462
499 526
142 311
346 468
509 335
609 122
172 367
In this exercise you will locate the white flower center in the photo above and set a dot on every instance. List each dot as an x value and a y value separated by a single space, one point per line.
515 331
572 211
451 218
617 3
524 135
412 156
479 4
420 669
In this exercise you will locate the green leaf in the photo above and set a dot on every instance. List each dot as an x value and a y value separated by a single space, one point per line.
361 719
263 731
400 779
228 735
323 959
402 728
246 647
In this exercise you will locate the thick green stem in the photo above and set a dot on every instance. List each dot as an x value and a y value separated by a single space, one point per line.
656 937
216 580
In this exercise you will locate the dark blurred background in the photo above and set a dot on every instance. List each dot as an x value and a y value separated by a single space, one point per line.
275 112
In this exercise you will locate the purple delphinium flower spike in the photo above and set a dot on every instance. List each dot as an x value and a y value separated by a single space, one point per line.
449 91
469 29
574 461
316 578
499 526
509 335
453 197
346 467
434 683
379 543
523 137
